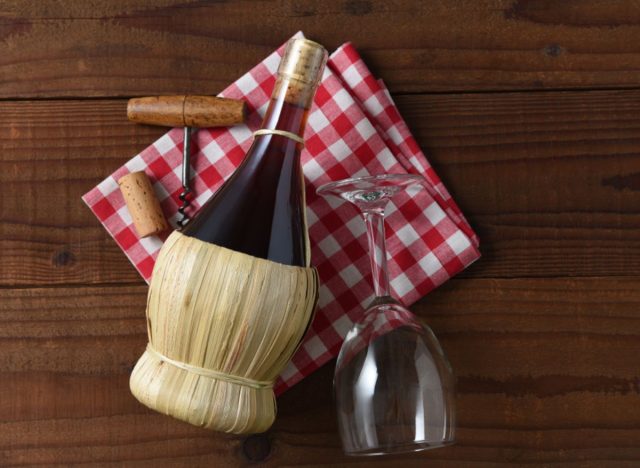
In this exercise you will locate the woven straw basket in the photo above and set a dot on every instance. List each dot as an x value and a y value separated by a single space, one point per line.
222 325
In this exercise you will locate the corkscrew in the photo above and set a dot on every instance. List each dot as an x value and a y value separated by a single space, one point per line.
188 112
185 195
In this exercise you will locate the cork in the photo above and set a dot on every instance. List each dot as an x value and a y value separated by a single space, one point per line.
143 204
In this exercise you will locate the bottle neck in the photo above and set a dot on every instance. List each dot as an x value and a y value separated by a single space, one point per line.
289 106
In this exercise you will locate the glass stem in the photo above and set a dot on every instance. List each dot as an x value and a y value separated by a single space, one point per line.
377 252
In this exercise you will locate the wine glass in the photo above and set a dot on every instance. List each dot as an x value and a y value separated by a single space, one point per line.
394 387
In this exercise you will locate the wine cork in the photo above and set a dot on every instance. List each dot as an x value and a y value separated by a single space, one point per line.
143 204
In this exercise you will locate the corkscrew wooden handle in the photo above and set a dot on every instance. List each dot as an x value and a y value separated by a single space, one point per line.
186 111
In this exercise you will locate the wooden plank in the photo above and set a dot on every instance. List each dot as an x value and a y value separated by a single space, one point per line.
135 47
547 375
549 180
53 152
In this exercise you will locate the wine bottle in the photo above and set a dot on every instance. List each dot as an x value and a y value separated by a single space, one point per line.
232 295
260 209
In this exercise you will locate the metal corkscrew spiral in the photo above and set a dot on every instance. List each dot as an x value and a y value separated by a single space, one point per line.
185 196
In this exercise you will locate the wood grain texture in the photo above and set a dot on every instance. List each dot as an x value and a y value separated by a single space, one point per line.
136 47
190 111
547 375
543 332
52 153
550 181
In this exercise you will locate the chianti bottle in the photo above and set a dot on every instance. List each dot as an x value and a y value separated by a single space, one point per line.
260 209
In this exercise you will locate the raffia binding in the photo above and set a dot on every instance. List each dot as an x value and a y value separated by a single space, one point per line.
212 374
290 135
222 325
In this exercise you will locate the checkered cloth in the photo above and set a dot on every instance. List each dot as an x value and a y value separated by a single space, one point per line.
354 129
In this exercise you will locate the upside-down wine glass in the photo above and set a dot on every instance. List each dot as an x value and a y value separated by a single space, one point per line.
394 387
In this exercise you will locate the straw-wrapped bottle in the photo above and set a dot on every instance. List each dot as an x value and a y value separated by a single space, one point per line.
232 295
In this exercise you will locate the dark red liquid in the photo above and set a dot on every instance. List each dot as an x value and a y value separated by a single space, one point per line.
260 210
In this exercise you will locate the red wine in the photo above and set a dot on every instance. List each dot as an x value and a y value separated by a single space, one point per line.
260 209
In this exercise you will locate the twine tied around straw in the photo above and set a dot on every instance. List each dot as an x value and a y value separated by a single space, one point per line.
213 374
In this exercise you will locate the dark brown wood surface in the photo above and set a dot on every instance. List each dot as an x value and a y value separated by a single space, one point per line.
529 111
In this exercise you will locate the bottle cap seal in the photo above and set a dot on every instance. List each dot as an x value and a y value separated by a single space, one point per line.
303 60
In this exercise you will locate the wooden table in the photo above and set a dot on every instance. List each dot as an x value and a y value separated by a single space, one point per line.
530 112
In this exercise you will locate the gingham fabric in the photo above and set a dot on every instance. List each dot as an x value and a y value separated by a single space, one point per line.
354 129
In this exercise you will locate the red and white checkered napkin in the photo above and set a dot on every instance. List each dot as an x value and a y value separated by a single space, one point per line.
354 129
